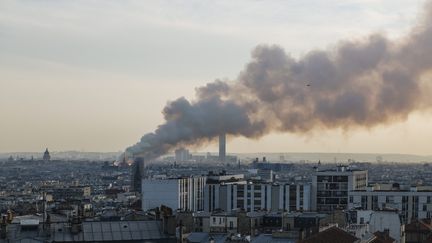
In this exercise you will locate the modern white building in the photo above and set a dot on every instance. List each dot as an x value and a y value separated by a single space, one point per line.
256 196
410 202
185 194
330 188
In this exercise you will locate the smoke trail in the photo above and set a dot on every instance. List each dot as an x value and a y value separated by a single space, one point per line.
360 83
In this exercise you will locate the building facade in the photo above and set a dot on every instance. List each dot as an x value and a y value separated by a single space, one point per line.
184 194
412 203
68 193
258 196
330 188
223 223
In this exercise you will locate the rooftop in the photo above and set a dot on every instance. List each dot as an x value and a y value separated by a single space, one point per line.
331 235
100 231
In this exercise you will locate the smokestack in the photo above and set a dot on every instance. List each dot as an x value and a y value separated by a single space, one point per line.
222 147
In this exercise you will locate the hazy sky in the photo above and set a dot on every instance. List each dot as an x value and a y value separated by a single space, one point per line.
94 75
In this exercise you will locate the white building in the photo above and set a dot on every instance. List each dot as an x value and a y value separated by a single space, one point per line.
410 202
223 222
185 194
367 222
330 188
256 196
387 220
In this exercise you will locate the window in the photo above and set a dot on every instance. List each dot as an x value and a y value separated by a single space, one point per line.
240 203
334 186
324 178
231 225
339 193
389 199
332 200
340 178
364 202
232 197
375 203
415 206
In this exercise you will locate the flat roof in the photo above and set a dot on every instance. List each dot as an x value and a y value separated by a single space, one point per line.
112 231
29 222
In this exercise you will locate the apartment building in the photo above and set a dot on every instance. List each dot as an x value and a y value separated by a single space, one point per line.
410 202
330 187
185 194
257 196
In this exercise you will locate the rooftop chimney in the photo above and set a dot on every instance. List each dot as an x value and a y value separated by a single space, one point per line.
222 147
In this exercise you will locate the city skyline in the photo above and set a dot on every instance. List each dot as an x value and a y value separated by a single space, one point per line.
107 98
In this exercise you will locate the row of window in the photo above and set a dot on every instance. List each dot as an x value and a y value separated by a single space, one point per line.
332 186
331 200
332 178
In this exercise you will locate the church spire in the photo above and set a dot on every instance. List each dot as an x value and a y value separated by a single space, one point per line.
46 156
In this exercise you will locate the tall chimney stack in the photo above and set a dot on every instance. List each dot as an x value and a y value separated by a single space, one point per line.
222 147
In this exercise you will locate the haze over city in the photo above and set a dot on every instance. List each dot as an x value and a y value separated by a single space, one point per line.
78 76
196 121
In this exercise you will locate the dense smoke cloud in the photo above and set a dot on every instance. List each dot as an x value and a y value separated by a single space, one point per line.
360 83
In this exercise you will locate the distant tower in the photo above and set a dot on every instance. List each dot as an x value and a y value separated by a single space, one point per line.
46 156
222 147
123 163
137 174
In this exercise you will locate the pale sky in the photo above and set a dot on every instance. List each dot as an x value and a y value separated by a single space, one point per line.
94 75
